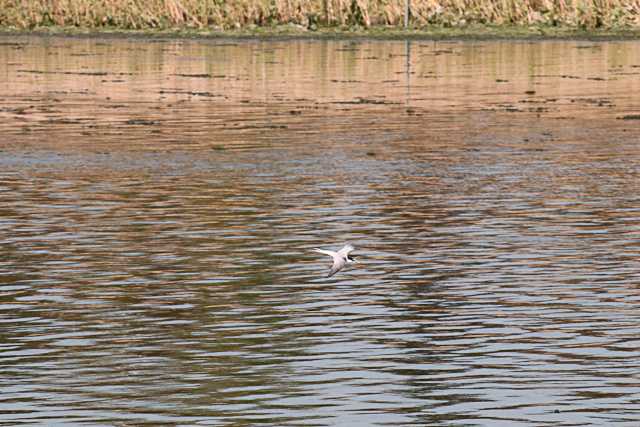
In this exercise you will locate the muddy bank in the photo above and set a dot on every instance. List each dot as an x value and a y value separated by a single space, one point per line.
290 32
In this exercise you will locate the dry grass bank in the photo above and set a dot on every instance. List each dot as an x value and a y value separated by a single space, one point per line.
227 14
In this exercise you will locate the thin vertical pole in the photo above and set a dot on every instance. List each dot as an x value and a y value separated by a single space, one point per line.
407 11
325 5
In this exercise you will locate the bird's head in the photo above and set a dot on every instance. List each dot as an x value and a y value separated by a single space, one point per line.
351 258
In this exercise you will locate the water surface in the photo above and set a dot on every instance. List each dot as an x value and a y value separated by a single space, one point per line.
159 201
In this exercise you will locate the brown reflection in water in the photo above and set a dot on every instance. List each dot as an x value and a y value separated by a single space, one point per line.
114 94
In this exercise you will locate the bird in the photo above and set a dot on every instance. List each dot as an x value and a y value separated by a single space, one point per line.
340 258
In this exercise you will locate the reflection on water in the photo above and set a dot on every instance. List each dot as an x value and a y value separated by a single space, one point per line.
159 201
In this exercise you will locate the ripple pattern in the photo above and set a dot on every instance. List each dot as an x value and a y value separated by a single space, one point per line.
157 268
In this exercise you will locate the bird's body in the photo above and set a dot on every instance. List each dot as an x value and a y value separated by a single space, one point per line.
340 258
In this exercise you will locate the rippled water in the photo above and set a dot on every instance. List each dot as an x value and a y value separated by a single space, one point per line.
159 201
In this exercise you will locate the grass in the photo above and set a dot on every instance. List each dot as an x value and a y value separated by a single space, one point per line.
325 16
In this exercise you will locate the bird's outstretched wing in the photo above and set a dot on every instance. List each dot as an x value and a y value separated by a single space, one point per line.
338 263
338 260
345 251
332 254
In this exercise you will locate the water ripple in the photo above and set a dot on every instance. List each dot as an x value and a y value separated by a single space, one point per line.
157 229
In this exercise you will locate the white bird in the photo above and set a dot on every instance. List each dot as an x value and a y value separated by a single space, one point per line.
340 258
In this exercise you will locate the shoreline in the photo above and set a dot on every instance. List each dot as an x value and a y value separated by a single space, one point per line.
293 32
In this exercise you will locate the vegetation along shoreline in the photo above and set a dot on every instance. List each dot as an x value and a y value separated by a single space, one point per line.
318 19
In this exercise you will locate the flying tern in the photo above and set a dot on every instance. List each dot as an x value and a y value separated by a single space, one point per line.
340 258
